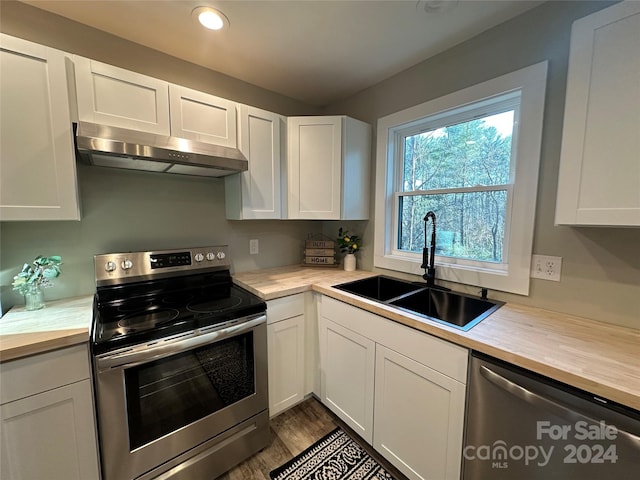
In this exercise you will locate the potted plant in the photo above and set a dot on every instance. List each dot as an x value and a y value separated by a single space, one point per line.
34 277
349 244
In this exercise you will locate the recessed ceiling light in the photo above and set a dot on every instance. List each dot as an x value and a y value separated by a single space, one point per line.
210 18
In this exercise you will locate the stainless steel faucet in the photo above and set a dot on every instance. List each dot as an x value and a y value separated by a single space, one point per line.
428 258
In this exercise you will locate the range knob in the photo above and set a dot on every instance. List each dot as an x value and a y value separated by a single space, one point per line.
220 255
127 264
199 257
110 266
211 256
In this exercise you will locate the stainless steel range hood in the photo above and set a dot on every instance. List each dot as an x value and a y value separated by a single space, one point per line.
108 146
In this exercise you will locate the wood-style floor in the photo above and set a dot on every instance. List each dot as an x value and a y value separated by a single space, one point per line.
292 432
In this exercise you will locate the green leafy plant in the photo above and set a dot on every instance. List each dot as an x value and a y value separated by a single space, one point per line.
39 273
348 243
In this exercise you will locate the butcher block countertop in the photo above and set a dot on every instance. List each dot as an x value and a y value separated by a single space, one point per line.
61 323
594 356
597 357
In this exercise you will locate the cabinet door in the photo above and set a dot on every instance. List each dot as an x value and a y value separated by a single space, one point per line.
346 376
315 164
419 417
203 117
256 193
37 160
50 435
285 341
599 182
113 96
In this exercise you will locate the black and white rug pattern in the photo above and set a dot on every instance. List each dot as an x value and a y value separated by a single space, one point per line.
334 457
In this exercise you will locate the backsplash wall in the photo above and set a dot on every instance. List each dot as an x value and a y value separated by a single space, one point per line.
131 211
125 211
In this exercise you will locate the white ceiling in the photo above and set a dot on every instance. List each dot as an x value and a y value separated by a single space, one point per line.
316 51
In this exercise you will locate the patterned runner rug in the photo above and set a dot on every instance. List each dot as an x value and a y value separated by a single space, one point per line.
334 457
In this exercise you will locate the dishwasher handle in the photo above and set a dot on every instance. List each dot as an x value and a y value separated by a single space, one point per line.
538 400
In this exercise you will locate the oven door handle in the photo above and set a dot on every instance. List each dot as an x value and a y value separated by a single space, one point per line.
148 353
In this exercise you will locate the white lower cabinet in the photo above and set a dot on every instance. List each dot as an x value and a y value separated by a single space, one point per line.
419 417
347 376
47 417
50 435
401 390
286 352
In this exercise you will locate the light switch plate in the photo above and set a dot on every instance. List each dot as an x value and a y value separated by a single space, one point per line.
546 267
254 247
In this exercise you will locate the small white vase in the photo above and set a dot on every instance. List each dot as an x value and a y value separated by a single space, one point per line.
349 262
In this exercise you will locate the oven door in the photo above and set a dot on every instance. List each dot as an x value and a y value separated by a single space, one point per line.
157 401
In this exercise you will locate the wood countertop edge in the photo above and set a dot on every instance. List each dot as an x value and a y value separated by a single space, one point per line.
63 323
281 282
599 387
16 346
278 293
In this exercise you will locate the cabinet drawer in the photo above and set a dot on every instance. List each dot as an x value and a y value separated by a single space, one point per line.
285 307
38 373
438 354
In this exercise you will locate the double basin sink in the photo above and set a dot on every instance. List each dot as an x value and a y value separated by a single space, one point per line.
450 308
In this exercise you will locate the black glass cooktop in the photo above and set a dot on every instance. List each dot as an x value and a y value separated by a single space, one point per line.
135 313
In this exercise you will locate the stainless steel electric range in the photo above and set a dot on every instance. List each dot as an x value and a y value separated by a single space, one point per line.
180 365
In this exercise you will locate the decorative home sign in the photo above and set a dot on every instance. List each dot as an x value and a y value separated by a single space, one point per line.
320 253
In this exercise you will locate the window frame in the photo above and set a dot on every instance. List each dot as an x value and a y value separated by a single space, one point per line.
512 276
502 103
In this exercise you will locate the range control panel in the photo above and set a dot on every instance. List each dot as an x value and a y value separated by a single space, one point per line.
131 266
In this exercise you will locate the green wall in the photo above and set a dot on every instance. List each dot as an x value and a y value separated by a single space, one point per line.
131 211
600 266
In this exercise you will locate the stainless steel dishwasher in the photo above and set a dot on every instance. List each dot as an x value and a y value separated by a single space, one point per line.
520 425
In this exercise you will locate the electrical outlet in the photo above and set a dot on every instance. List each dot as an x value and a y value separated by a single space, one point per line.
546 267
254 247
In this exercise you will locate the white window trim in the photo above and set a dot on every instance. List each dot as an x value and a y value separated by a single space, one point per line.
531 82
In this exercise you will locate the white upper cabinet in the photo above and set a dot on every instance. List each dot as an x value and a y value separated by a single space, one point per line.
37 160
329 165
109 95
599 181
199 116
257 193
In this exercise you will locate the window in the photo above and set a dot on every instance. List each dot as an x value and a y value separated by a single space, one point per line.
472 158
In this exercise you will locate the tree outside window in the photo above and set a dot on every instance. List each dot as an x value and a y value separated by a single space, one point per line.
461 172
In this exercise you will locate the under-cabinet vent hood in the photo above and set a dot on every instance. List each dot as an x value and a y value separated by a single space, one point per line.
107 146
